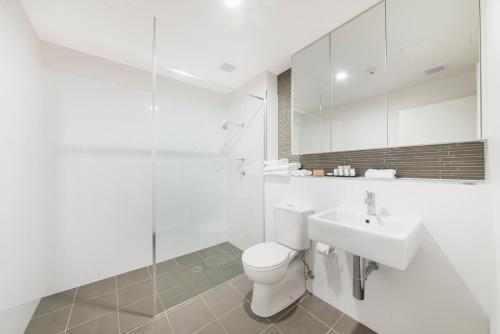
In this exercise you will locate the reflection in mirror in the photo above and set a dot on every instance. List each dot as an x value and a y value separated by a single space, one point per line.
433 71
311 98
359 116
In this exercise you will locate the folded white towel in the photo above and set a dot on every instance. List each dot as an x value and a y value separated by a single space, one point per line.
301 172
276 162
287 167
380 173
280 173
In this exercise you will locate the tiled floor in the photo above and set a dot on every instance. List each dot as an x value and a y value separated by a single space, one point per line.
202 292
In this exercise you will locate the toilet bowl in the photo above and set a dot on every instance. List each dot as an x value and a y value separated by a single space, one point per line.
278 276
276 268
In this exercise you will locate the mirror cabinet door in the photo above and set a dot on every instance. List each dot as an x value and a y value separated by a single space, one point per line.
433 71
311 99
359 112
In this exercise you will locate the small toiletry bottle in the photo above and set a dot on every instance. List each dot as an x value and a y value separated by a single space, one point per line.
336 172
352 172
347 170
341 170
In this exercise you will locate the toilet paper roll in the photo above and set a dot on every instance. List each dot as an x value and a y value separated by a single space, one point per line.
323 249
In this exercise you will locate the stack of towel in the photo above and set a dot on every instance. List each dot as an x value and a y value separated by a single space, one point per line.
380 173
285 168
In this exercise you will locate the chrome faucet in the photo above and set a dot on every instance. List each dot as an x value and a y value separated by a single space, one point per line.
370 203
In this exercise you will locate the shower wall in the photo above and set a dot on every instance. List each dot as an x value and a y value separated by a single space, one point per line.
190 174
203 200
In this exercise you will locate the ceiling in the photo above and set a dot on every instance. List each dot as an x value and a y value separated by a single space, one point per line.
195 36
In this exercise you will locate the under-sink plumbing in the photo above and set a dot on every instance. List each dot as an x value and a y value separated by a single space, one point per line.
362 268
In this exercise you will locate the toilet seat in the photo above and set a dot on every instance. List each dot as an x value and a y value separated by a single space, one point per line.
267 256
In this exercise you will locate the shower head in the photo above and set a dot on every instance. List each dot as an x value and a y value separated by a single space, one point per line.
225 123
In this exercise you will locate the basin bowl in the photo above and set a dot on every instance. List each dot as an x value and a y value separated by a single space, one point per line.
389 240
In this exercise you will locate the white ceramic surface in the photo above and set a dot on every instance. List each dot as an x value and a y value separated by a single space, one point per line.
388 240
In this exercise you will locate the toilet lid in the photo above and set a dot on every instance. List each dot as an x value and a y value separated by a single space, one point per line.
267 255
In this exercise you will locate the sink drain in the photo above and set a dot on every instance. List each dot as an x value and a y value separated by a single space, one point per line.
196 269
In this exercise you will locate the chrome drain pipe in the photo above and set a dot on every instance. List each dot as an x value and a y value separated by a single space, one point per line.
362 268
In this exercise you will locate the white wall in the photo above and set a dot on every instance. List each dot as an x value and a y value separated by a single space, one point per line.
245 193
26 172
446 289
191 175
491 124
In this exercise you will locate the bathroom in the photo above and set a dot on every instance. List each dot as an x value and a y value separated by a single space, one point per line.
237 166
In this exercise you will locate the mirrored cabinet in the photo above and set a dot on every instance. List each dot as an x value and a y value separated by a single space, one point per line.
403 73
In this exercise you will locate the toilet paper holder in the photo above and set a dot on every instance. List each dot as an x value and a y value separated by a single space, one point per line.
324 249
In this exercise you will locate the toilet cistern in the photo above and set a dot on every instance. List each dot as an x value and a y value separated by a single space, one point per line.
370 203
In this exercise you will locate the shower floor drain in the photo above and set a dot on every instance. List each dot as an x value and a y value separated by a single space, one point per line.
196 269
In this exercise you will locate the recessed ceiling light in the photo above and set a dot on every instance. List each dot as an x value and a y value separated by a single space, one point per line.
227 67
341 76
233 3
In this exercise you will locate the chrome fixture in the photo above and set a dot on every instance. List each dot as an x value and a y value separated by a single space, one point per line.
362 268
225 123
370 203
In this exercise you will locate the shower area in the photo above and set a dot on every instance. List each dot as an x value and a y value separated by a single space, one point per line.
208 190
157 189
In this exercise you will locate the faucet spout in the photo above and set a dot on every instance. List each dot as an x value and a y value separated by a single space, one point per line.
370 203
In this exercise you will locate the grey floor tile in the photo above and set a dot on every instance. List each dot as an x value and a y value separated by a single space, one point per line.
210 251
272 330
55 302
244 287
94 289
166 266
214 328
348 325
190 317
51 323
218 260
132 277
135 293
92 308
191 259
228 247
157 326
242 321
223 300
177 295
231 250
299 321
107 324
138 313
205 279
320 309
231 270
171 279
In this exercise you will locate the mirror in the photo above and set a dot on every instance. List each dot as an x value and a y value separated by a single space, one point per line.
403 73
433 71
359 116
311 98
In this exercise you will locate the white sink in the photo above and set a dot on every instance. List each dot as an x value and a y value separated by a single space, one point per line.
388 240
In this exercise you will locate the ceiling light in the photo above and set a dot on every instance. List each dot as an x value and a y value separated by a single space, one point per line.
233 3
341 76
226 67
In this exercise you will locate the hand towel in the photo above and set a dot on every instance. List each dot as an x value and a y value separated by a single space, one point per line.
380 173
287 167
280 173
301 172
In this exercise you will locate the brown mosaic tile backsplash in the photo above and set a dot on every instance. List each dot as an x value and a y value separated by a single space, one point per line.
445 161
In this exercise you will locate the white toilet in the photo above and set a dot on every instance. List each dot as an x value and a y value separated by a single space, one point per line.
275 267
